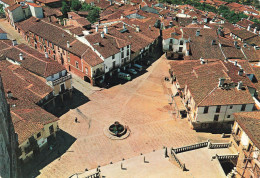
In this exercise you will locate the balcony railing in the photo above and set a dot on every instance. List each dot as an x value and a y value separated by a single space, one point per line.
61 80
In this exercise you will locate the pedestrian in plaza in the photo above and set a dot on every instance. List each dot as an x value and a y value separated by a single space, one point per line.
76 120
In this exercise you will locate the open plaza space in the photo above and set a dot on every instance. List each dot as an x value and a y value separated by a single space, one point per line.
142 104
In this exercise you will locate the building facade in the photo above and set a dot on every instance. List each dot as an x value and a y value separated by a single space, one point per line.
245 139
9 164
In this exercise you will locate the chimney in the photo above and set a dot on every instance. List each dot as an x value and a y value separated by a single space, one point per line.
14 42
239 86
194 20
68 44
249 27
97 28
235 62
102 34
9 94
124 26
105 29
171 23
240 72
235 44
46 55
213 42
110 2
221 82
140 6
182 11
198 32
202 61
137 28
150 27
21 56
122 16
255 30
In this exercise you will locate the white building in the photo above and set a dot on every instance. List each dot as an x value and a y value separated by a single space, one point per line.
211 92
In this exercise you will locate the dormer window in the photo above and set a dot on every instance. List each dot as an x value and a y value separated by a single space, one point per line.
181 42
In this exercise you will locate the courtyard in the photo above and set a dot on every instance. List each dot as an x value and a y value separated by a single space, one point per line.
142 104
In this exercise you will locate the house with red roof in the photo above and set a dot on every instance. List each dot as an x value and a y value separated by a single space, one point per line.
245 139
212 90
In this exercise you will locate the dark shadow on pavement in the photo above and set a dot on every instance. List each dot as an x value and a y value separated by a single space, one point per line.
46 156
78 99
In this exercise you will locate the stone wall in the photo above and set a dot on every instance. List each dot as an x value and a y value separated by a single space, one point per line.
8 141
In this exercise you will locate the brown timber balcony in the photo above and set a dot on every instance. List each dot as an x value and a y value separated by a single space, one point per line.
60 80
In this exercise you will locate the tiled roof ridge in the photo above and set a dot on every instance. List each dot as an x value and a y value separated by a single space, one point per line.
208 95
116 39
18 116
45 62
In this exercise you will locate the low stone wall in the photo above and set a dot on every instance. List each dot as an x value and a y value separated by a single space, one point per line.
173 157
190 147
219 145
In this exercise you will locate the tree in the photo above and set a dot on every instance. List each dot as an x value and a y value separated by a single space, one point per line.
64 8
93 15
75 5
86 7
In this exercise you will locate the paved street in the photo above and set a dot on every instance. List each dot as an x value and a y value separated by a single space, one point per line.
12 33
141 104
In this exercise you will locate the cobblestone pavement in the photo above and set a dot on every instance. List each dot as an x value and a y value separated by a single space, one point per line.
12 33
142 104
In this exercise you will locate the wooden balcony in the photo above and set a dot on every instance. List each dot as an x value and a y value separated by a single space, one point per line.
60 80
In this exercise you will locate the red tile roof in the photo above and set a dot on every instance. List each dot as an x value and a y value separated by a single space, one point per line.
242 33
202 81
9 2
107 46
34 61
47 1
29 121
92 58
245 23
33 4
23 84
13 7
250 123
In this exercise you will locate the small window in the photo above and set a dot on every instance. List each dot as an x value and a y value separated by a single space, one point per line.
51 129
216 117
122 54
77 65
180 49
218 109
128 46
206 110
113 57
231 107
243 107
181 42
238 131
170 40
249 147
228 116
39 134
